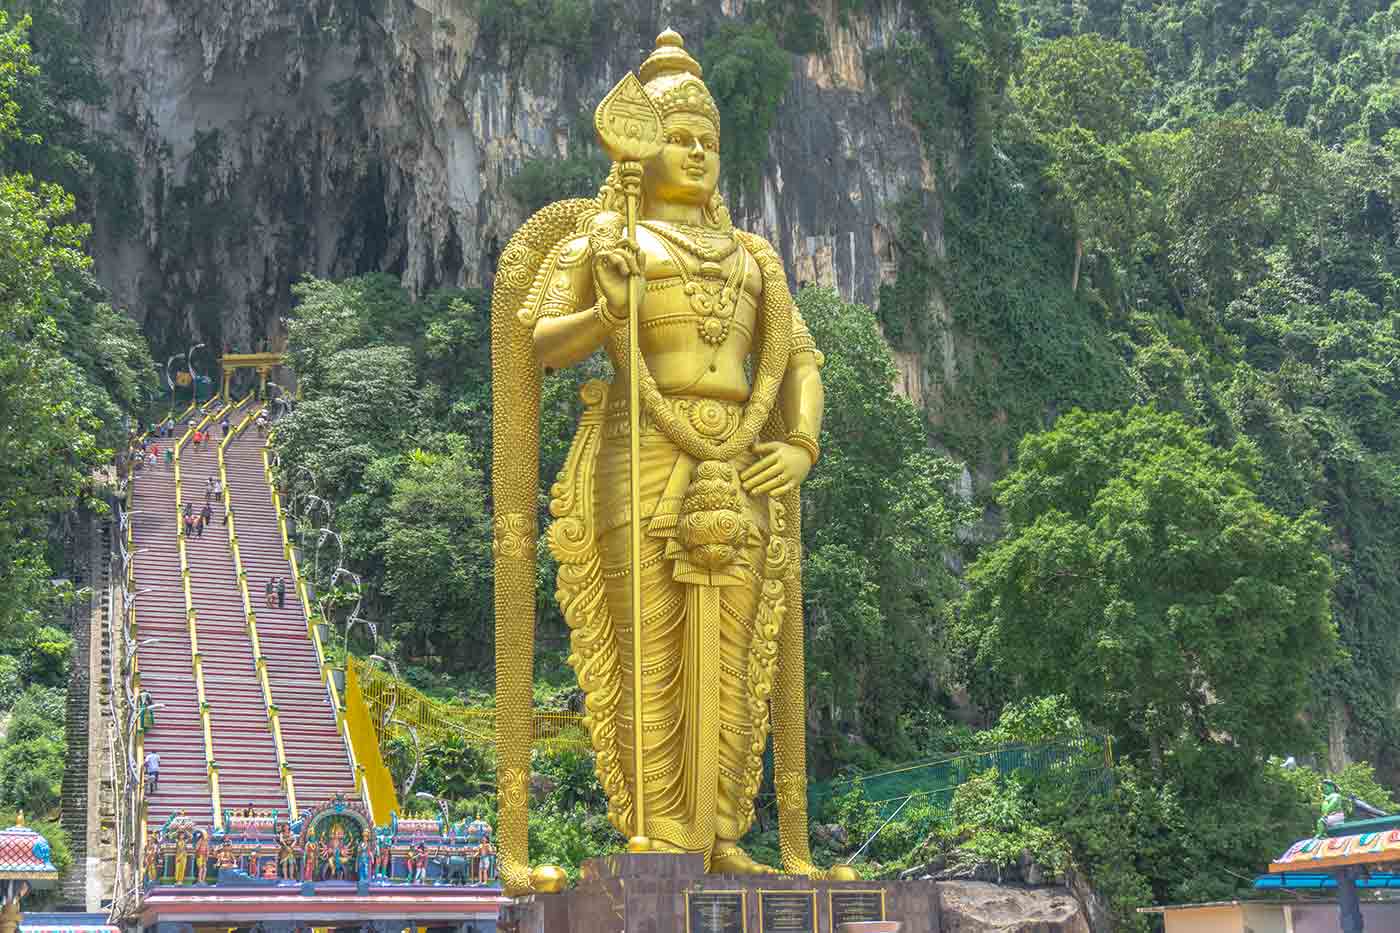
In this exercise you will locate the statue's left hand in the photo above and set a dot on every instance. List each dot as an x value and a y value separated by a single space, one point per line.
779 469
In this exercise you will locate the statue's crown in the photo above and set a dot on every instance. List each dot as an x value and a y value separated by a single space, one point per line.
674 80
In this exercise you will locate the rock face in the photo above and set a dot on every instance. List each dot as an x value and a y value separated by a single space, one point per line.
978 907
276 138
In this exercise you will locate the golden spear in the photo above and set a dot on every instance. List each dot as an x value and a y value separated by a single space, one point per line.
629 129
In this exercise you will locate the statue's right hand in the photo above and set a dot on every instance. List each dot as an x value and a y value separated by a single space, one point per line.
618 270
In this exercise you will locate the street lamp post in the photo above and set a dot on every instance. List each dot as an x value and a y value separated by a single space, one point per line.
170 379
194 378
281 398
442 806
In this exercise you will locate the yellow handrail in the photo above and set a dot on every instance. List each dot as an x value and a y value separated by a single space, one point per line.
135 673
342 726
210 763
438 719
284 767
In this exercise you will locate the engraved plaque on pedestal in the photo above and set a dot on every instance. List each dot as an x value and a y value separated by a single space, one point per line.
787 912
715 912
851 906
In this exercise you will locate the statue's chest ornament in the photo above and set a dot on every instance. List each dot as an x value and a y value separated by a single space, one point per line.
714 296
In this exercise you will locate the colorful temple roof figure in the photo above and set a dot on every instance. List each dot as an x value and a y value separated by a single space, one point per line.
25 855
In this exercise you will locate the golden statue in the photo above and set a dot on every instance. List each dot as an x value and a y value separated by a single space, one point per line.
11 915
680 492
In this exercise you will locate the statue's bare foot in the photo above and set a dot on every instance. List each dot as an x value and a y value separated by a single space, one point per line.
732 860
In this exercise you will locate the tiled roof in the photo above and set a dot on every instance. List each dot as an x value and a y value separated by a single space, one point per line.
25 854
1329 852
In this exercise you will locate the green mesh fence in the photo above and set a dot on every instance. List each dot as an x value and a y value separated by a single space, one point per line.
1086 761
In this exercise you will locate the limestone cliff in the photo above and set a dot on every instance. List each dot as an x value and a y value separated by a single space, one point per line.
276 138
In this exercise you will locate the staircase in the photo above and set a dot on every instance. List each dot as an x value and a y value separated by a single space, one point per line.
314 746
243 738
249 775
164 651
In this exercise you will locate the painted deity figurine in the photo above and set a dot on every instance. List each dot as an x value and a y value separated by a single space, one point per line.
384 856
485 862
336 854
153 861
1334 808
310 859
201 857
182 853
418 865
11 893
225 857
730 410
365 855
286 854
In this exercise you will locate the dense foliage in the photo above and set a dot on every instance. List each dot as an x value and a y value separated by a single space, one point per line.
747 71
1235 214
878 516
1190 207
395 407
1179 604
71 369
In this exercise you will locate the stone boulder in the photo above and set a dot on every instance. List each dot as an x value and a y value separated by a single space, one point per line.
831 834
978 907
541 786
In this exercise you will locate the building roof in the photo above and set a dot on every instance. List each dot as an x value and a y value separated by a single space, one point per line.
66 923
1314 855
25 855
1306 881
1200 906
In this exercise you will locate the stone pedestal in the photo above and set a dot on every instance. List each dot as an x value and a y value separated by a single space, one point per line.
664 893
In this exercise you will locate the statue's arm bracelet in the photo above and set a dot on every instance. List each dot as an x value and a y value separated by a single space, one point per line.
608 320
807 442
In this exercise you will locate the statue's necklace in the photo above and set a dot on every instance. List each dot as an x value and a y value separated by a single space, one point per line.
714 297
709 244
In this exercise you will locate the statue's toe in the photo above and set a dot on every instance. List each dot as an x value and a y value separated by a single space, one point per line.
735 861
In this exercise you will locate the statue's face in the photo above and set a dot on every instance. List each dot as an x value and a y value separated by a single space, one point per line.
687 169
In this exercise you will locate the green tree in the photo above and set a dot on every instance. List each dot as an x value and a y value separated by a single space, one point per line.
362 409
438 529
1178 604
1079 94
748 72
47 428
878 517
10 683
1241 185
46 657
33 753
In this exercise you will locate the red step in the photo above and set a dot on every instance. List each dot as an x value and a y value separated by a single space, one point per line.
243 745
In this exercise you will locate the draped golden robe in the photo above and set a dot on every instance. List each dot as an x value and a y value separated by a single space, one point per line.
721 590
710 626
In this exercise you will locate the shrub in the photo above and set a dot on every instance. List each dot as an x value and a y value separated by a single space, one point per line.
47 656
11 684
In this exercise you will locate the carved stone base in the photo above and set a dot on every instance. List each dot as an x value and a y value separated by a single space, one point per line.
664 893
